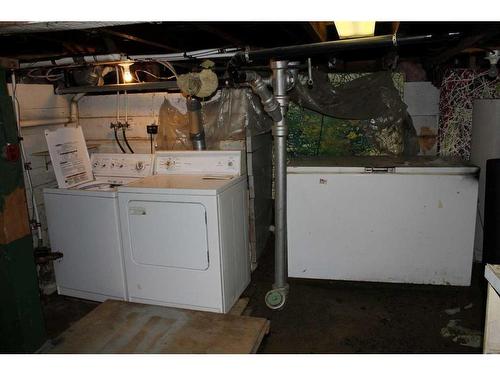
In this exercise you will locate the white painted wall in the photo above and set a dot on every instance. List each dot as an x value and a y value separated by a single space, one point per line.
96 113
39 102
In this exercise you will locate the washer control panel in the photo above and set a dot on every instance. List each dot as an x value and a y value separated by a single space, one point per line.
199 162
126 165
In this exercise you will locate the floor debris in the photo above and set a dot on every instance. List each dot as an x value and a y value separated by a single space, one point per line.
469 306
461 335
452 311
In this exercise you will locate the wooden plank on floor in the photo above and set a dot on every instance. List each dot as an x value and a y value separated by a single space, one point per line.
239 306
125 327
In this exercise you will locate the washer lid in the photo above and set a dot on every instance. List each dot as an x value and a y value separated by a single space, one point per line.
69 156
182 184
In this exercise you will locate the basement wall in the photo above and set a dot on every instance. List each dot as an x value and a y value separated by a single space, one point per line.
38 102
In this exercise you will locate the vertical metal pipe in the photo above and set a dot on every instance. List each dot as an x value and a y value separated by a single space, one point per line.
196 132
280 132
24 157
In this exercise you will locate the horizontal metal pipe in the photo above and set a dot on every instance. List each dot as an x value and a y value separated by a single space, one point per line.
71 61
181 56
45 122
382 41
166 85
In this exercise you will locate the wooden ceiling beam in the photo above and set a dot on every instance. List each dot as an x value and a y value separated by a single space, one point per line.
318 31
465 43
395 26
235 42
139 40
8 63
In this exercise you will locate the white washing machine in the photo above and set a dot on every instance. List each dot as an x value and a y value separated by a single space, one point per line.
83 221
185 231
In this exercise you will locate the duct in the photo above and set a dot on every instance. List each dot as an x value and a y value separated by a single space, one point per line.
229 116
259 87
196 131
202 84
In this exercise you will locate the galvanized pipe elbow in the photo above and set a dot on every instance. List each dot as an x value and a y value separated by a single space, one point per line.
259 87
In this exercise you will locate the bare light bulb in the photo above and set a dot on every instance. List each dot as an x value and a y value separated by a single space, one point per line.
127 75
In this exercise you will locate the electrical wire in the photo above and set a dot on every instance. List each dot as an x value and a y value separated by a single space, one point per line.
47 75
168 66
150 74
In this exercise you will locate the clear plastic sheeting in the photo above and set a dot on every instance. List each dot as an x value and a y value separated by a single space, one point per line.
372 99
229 115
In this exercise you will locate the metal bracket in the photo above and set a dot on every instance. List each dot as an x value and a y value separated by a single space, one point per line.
35 225
310 81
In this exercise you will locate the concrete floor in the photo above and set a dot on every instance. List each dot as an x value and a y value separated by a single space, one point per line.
343 317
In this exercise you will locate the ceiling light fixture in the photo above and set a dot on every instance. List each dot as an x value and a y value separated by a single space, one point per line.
127 75
355 29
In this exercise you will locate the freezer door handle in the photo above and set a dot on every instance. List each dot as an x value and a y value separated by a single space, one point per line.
137 211
379 169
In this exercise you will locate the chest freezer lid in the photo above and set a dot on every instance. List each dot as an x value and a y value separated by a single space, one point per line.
69 156
382 164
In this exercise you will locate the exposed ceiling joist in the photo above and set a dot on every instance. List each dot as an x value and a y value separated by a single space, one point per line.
235 42
463 45
7 63
44 27
319 31
139 40
395 27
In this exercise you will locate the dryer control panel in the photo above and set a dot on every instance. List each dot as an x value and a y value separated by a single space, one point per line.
122 165
200 162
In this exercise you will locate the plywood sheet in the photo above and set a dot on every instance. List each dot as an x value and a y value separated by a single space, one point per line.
125 327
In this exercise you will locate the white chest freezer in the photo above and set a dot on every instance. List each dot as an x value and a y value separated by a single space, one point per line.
380 219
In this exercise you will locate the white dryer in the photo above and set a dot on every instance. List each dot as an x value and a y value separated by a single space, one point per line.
185 231
83 219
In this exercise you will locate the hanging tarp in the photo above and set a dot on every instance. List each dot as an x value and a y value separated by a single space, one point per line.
346 115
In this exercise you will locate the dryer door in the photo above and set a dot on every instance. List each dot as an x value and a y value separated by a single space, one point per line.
168 234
